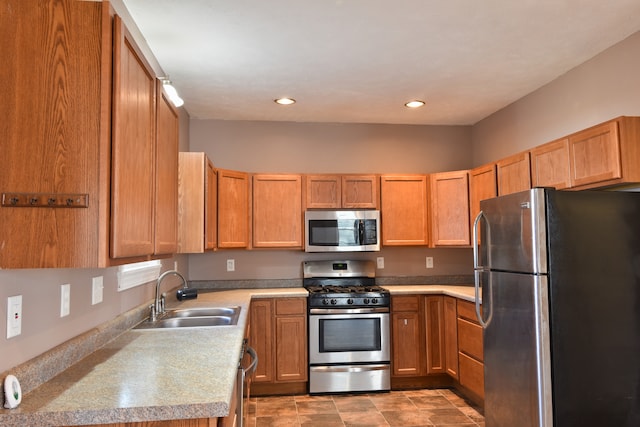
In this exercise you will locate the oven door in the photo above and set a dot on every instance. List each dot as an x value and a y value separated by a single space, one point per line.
349 335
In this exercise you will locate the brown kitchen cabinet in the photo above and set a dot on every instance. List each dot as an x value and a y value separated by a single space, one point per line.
278 333
483 184
450 208
606 154
166 190
435 334
514 174
470 350
97 154
196 422
342 191
233 209
404 210
408 349
277 211
450 317
197 203
550 165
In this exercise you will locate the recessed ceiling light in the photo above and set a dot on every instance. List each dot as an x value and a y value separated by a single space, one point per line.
285 101
414 104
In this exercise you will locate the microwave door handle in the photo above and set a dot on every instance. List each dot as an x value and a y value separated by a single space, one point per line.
361 232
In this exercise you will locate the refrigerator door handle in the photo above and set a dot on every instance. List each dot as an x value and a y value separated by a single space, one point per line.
477 269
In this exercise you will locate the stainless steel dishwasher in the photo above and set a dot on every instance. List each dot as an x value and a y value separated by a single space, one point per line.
243 385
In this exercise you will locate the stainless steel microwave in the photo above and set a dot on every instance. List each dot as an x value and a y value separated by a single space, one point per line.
342 231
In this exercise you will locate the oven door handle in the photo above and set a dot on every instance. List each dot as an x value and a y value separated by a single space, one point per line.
366 310
351 368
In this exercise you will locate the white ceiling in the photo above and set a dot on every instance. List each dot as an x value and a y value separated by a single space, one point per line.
359 61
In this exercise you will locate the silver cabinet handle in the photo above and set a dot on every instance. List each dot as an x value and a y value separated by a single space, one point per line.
254 361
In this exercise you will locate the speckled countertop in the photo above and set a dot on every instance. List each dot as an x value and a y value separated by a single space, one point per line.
161 374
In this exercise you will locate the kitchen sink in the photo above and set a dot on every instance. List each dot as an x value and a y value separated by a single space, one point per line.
199 317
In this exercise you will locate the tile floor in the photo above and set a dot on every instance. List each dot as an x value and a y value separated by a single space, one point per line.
439 407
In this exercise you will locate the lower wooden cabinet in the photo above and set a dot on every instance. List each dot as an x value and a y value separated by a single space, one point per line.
198 422
470 349
407 355
278 333
451 336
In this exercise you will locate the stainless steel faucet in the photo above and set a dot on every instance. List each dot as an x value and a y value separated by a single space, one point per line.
158 304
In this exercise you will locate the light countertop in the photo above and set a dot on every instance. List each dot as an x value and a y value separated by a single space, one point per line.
162 374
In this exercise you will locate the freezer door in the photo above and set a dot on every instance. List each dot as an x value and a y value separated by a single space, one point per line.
517 352
513 232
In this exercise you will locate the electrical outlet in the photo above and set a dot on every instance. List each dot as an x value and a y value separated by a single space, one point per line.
380 261
231 265
96 290
65 299
429 262
14 316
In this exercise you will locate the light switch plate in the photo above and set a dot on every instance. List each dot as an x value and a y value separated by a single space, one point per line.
380 262
65 299
14 316
429 262
231 265
96 290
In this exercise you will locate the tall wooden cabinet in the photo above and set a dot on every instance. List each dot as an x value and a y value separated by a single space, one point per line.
450 208
80 147
277 211
198 201
166 190
404 210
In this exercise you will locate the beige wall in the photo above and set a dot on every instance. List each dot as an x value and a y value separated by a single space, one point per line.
284 147
605 87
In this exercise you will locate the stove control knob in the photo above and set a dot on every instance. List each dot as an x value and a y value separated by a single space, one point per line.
349 301
366 300
334 302
325 302
374 300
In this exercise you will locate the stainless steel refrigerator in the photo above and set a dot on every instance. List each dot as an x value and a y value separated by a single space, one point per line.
559 273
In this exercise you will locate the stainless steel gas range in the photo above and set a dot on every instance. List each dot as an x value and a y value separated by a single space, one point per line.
349 337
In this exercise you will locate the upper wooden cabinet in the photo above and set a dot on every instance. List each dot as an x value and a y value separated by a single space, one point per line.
166 195
607 154
514 174
483 185
342 191
550 165
197 208
450 208
404 210
277 211
81 133
233 209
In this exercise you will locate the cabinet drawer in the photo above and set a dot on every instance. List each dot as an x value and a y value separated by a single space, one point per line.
467 310
405 303
471 374
470 339
286 306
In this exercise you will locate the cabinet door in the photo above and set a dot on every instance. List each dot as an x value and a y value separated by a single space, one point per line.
261 338
291 348
450 208
595 154
514 174
360 191
483 184
404 214
550 165
451 336
210 206
277 211
233 209
167 139
407 336
323 191
434 322
133 149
